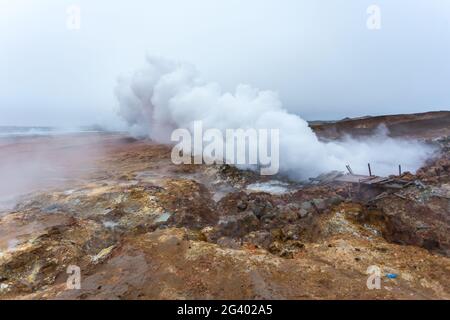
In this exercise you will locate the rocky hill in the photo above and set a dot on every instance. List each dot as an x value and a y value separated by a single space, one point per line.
427 125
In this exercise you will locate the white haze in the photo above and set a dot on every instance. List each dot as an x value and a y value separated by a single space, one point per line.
29 164
319 55
165 95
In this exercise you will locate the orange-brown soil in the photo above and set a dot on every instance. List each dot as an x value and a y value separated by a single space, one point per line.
140 227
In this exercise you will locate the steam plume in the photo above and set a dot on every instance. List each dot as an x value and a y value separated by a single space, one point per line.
166 95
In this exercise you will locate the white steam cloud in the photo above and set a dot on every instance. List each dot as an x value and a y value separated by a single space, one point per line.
167 95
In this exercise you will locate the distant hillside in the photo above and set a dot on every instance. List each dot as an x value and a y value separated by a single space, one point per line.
417 125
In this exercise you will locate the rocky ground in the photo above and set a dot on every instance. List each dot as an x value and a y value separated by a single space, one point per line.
140 227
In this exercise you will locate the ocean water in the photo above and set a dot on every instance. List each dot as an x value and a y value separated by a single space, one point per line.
18 131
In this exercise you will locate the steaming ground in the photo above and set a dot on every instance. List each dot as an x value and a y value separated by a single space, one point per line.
33 162
166 95
141 227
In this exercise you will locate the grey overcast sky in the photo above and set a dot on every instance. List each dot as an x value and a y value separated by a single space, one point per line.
318 54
